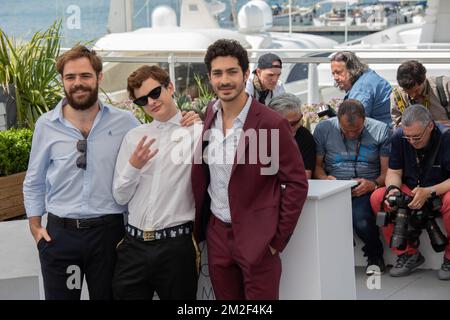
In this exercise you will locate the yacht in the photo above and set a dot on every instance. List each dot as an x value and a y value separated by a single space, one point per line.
192 34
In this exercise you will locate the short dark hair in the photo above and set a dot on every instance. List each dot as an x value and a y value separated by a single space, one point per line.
411 73
78 52
351 108
143 73
226 48
354 66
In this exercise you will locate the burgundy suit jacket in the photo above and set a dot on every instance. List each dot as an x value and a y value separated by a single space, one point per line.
262 213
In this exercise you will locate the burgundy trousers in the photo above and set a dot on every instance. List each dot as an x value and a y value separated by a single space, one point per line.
232 276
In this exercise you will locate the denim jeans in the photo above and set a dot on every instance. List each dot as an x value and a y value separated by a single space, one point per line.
365 226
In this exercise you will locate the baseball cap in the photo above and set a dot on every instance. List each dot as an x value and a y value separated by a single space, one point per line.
266 61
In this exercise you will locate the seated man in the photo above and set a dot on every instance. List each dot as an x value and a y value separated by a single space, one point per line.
415 87
413 170
353 147
288 105
264 84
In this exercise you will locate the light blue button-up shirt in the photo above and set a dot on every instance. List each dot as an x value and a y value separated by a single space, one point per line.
374 92
55 184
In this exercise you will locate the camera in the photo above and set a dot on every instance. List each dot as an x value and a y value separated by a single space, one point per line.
326 110
408 223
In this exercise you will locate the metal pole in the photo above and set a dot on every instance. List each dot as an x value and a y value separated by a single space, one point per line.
171 59
346 17
290 17
129 8
313 83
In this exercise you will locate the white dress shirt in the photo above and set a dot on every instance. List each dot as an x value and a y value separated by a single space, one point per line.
160 194
221 152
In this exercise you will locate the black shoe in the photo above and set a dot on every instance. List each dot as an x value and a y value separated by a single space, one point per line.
406 263
375 266
444 272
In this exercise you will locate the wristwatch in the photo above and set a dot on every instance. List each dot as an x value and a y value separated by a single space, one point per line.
432 192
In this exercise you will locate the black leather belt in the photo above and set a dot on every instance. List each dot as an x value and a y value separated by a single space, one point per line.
70 223
151 235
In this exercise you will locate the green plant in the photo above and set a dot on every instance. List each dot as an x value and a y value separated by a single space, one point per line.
15 147
30 68
197 99
128 105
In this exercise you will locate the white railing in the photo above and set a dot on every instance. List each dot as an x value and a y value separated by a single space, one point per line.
437 55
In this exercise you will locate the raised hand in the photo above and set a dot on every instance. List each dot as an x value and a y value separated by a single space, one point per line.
142 154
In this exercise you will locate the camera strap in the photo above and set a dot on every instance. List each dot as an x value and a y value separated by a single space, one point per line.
423 170
357 150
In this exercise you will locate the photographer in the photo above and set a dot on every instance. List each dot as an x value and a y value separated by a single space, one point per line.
419 165
264 83
351 146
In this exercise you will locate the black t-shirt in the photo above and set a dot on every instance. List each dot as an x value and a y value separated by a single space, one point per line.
307 146
403 156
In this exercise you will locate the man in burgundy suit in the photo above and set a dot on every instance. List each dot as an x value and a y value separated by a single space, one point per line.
248 180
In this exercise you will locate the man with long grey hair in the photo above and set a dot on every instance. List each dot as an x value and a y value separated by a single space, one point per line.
363 84
419 166
288 105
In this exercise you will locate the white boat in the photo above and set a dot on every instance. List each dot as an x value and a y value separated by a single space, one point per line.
197 30
431 33
339 16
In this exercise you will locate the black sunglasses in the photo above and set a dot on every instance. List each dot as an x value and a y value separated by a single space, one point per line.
153 94
81 160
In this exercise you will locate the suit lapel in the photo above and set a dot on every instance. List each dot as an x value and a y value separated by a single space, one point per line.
251 122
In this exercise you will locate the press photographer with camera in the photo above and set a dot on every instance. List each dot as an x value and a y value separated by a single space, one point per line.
418 184
353 147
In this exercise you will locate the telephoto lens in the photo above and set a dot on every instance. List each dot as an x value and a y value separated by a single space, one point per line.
437 239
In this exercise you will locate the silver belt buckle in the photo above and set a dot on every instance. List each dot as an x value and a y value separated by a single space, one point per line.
79 225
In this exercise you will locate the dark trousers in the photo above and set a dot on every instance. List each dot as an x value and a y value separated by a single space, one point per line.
74 253
365 226
167 266
232 277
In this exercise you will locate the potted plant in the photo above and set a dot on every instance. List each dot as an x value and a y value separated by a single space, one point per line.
29 80
15 147
29 69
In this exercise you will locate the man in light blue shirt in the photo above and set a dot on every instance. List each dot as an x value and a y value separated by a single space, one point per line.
70 176
363 84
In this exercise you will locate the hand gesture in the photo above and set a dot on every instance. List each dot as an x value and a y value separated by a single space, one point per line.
142 154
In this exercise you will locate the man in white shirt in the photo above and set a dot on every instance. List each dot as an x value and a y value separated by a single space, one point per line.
264 83
152 175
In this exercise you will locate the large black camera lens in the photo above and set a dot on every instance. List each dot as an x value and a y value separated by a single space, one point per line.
437 239
399 238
